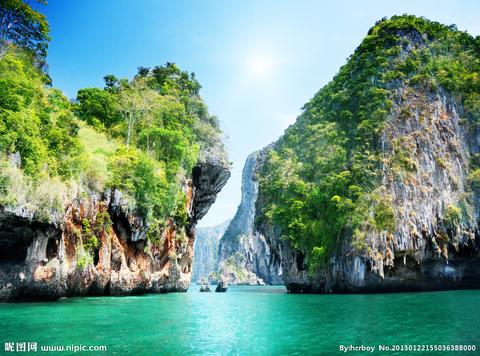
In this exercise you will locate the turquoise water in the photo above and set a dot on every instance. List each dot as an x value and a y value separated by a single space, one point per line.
246 320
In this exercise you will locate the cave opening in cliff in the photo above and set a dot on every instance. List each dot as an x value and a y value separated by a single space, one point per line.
116 265
15 240
196 173
300 261
52 249
13 251
96 256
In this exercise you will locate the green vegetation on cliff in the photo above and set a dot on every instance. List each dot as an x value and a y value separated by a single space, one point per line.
159 126
21 26
321 181
36 121
141 136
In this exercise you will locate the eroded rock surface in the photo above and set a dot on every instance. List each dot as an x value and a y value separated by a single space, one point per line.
244 257
426 251
48 261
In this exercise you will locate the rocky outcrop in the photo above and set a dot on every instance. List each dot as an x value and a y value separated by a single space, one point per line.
99 246
208 180
425 252
428 152
243 254
222 286
204 286
206 249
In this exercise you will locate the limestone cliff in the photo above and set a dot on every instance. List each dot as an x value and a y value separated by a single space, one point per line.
399 212
100 195
206 249
41 260
243 253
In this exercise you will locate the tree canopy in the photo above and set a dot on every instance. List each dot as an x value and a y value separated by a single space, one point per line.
22 26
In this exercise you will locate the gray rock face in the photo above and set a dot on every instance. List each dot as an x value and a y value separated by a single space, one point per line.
243 248
206 249
426 251
100 246
208 180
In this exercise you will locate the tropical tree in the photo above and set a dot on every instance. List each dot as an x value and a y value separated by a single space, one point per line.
24 27
96 107
136 101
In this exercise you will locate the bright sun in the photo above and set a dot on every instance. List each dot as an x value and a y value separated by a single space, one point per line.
260 66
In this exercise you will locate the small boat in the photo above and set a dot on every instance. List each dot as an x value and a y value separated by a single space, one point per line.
204 285
222 286
205 288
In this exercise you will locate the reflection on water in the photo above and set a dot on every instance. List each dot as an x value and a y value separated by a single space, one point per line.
246 320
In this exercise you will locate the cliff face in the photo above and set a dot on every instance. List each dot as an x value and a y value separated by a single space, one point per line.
206 249
418 227
101 196
424 251
243 251
51 260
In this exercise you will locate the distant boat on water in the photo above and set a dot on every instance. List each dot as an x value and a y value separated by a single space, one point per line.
222 286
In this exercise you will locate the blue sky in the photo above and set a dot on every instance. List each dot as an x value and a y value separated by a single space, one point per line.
258 61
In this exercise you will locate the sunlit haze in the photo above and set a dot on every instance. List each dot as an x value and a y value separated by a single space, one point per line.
260 66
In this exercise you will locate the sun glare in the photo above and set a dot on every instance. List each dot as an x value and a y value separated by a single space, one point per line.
260 66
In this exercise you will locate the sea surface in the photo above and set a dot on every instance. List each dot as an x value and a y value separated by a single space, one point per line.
246 321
